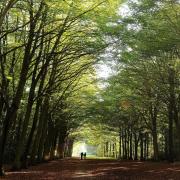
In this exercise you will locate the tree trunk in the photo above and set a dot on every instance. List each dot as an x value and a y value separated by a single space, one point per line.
125 144
170 135
153 113
42 139
11 112
141 147
171 113
120 145
130 146
35 119
135 147
20 145
147 146
53 152
61 145
30 137
44 111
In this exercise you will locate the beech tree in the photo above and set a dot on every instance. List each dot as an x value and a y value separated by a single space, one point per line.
46 46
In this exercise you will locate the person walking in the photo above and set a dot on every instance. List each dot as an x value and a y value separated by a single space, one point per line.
82 155
85 155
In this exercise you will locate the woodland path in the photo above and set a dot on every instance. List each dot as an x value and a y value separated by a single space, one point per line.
76 169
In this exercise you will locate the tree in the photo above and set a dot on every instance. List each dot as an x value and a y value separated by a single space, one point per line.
51 44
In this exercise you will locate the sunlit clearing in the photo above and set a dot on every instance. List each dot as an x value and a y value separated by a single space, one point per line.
90 150
83 148
78 148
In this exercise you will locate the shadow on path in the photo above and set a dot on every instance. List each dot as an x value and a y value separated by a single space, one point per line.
76 169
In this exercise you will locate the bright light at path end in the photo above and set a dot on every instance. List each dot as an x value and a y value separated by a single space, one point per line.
83 148
78 148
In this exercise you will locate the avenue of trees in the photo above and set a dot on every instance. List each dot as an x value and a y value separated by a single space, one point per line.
141 100
47 52
50 95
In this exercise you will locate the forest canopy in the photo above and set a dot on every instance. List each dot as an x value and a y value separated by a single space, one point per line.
51 95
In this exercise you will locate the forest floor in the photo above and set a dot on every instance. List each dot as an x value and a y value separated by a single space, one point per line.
69 169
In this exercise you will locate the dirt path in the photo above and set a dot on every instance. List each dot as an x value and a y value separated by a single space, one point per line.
76 169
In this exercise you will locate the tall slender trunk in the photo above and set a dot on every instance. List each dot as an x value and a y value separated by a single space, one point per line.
43 114
177 123
155 146
135 147
70 147
125 144
153 113
104 150
130 146
61 145
20 145
147 146
11 112
35 119
30 137
166 144
141 147
42 139
110 149
171 112
53 147
120 145
170 136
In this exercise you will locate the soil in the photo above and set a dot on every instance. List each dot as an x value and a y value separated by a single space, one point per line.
76 169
